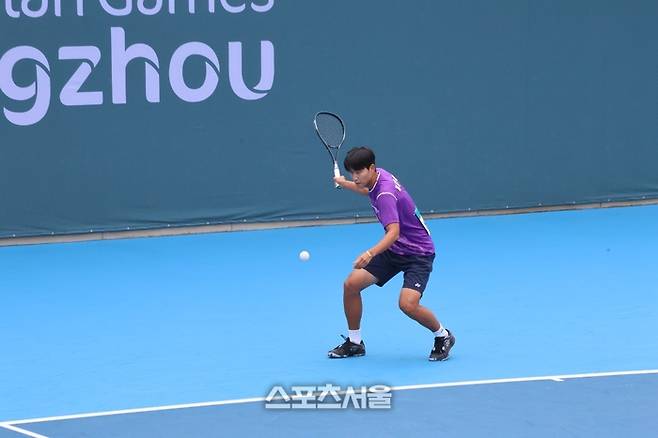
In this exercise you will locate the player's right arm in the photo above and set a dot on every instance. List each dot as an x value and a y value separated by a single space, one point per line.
350 185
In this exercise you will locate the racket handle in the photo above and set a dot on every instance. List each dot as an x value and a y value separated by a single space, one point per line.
336 174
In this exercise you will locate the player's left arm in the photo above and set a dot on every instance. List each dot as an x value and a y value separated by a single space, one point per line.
392 234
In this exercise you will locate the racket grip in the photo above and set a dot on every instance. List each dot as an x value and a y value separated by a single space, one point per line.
336 174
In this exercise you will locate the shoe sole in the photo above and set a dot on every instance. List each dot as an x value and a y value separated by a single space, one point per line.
336 356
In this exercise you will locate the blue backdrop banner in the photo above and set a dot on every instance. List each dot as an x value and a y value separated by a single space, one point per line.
146 113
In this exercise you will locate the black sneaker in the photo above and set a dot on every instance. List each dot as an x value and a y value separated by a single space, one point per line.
348 349
442 346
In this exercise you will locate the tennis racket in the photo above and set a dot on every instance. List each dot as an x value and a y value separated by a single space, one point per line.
331 130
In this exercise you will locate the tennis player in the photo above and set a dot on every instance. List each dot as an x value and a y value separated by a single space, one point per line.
406 247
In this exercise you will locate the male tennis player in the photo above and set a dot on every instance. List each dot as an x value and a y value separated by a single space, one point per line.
406 246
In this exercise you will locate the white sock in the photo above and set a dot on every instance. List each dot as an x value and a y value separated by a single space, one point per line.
354 335
441 332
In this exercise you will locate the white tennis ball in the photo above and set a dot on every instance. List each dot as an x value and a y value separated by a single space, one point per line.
304 256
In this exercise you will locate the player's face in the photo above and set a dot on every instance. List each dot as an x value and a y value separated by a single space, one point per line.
365 177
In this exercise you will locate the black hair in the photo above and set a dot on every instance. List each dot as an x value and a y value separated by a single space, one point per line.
359 158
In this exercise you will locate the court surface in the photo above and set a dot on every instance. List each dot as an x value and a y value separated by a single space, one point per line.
555 315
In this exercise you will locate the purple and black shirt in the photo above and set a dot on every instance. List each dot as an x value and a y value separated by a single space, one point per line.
392 204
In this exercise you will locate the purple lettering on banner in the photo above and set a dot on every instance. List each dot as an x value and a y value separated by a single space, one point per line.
177 80
262 8
126 10
9 8
71 94
232 9
40 12
39 89
121 56
149 11
266 70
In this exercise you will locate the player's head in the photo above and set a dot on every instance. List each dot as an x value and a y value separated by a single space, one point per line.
359 158
360 162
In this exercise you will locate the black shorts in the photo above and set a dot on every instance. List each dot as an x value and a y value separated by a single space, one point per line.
416 269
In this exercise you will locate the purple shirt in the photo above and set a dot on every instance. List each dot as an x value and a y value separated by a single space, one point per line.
392 204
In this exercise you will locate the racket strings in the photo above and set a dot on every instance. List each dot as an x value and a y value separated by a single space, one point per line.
330 129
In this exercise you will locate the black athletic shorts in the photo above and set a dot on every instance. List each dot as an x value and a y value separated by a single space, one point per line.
416 269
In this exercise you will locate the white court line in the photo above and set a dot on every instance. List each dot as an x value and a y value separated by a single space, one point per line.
526 379
262 399
22 431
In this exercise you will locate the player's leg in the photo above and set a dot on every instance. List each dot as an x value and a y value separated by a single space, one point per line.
358 280
410 304
443 338
379 271
353 346
417 271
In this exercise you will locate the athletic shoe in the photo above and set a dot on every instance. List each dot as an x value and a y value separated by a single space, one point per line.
442 346
348 349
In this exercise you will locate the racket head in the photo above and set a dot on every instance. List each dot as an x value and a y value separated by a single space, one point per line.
330 128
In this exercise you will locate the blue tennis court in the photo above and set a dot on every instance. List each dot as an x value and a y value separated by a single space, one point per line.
174 252
555 316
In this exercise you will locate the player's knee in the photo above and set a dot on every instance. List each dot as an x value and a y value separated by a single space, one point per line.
351 287
408 307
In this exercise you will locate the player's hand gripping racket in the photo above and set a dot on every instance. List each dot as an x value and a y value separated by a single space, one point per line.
331 130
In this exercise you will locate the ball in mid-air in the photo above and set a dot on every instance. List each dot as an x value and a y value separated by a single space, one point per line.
304 256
